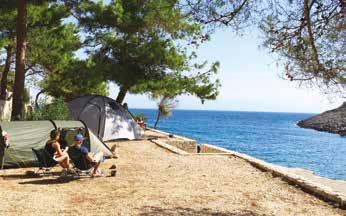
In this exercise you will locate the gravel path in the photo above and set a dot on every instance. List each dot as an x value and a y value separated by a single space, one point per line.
153 181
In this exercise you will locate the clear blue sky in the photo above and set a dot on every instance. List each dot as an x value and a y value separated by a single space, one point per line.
250 81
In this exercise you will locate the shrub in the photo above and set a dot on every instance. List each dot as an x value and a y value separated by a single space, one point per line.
57 110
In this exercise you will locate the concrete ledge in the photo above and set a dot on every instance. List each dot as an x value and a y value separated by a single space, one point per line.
169 147
183 143
168 134
335 192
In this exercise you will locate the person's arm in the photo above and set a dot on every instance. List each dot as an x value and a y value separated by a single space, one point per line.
89 157
57 148
66 149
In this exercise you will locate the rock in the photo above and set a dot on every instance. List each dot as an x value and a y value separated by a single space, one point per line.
333 121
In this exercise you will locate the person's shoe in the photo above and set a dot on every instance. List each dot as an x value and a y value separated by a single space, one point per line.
113 167
63 173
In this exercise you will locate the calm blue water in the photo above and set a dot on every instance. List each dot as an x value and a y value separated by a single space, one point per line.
273 137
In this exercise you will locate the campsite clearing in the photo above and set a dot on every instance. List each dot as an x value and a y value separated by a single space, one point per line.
154 181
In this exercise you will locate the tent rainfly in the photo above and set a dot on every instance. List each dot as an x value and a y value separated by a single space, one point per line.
105 117
25 135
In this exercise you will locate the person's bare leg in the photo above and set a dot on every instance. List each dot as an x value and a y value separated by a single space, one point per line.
63 161
97 166
67 162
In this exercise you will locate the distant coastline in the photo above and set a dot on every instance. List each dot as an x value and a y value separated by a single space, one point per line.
332 121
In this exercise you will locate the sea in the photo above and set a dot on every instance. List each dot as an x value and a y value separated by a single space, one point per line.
273 137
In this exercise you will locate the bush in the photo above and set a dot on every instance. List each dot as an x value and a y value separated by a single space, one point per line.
57 110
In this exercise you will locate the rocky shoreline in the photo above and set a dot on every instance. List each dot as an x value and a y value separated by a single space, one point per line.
332 121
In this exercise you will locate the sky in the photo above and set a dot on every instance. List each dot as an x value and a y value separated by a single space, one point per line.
250 79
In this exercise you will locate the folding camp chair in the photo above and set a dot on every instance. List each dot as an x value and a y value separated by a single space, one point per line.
81 167
45 161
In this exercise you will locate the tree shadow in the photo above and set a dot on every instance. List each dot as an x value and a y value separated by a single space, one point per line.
50 181
27 175
153 210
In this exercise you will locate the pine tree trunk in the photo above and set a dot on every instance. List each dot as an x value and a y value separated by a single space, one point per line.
157 119
3 82
18 90
121 95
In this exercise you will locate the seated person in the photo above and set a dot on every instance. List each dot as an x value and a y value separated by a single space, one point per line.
141 123
83 159
126 106
53 148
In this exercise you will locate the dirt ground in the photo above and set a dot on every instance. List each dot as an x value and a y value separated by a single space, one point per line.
153 181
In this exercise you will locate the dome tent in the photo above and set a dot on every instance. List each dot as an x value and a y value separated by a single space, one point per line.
105 117
25 135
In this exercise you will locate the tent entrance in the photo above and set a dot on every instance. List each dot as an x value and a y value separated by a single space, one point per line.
68 134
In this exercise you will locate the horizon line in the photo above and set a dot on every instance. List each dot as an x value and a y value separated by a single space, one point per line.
220 110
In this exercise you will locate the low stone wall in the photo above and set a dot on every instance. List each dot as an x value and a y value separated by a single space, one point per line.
327 189
183 143
186 145
205 148
169 147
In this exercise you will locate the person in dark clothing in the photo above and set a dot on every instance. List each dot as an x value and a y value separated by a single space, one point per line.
84 159
53 148
126 106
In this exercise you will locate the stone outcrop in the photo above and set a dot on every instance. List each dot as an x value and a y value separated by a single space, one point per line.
333 121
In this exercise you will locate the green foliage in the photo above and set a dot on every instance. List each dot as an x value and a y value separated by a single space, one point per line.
7 27
57 110
51 42
10 78
77 79
51 49
132 43
199 84
138 45
309 37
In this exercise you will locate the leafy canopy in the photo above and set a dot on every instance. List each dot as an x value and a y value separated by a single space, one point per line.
77 79
50 54
310 38
138 44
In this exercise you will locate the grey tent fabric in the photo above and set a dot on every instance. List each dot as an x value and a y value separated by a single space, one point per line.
25 135
105 117
68 124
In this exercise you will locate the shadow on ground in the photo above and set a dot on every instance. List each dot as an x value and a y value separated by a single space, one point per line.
49 181
153 210
27 175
